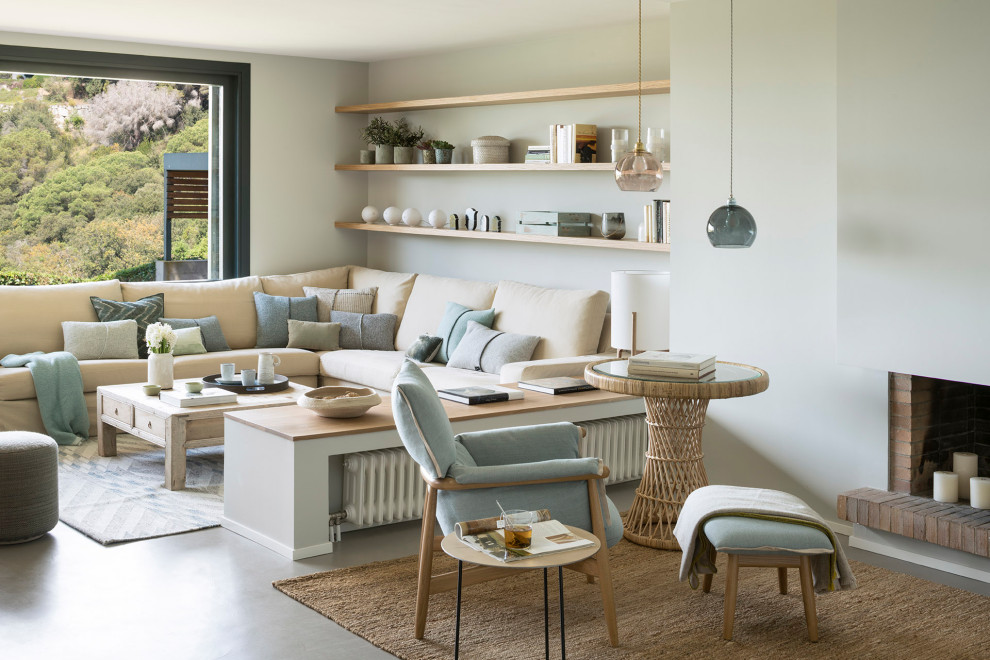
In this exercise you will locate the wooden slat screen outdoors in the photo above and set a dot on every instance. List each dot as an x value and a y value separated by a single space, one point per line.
187 194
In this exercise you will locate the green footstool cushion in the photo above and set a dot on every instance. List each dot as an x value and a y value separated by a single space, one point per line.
28 486
755 536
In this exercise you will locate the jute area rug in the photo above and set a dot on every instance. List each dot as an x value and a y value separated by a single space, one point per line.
890 616
123 498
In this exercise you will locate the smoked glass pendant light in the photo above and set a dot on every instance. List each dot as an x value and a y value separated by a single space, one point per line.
731 225
639 170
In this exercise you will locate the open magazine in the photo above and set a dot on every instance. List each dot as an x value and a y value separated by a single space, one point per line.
549 536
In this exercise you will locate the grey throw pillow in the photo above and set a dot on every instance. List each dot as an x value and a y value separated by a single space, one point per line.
314 336
101 341
484 349
424 349
274 313
145 311
372 332
209 326
359 301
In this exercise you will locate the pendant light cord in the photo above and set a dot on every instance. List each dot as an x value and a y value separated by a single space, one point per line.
639 78
731 92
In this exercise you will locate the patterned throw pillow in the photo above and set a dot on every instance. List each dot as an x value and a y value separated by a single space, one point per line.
145 311
371 332
274 313
213 338
453 325
424 349
359 301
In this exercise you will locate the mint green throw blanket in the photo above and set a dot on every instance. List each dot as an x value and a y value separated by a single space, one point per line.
59 387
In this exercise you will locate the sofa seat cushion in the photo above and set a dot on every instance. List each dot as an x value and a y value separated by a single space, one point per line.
568 320
292 285
231 301
375 369
445 378
393 288
32 315
295 362
428 299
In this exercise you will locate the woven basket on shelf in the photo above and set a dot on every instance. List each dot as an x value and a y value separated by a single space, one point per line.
490 149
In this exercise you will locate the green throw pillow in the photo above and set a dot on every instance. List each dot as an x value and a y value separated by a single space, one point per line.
188 341
424 349
314 336
145 311
454 325
209 326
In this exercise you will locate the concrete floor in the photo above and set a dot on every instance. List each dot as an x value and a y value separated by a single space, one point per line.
204 594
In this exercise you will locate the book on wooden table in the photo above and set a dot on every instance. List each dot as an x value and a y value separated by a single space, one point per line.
211 396
673 372
663 359
703 378
549 536
473 395
556 385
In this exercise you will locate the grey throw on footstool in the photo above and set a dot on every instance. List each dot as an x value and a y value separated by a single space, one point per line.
28 486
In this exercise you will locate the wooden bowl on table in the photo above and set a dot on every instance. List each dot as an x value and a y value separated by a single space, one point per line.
339 401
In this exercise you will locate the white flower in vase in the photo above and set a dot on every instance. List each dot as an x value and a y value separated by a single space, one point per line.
160 338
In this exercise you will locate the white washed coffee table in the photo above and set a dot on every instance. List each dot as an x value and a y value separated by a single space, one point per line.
127 408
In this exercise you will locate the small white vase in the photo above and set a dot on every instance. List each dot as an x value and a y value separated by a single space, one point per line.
160 369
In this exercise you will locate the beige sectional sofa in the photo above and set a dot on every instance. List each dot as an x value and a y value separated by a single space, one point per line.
571 324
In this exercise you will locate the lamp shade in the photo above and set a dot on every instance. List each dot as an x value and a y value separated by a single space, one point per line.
647 294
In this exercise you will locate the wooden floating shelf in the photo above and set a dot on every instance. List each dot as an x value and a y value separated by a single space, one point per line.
505 236
508 98
485 167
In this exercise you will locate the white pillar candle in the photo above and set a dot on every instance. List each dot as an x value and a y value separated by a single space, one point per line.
979 492
946 487
964 464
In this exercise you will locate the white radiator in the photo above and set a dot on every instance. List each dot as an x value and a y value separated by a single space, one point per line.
384 486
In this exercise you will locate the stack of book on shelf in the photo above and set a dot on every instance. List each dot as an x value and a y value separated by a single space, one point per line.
687 367
656 219
538 153
549 536
475 395
573 143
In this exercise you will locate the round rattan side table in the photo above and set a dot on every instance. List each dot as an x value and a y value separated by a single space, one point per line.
675 416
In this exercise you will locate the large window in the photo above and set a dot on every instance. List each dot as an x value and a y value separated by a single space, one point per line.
107 161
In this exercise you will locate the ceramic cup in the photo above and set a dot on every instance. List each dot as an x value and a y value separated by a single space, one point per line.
151 389
248 377
194 386
227 371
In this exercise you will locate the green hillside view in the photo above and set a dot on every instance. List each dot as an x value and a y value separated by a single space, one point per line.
81 176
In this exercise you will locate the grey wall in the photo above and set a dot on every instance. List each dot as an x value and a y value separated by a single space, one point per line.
587 57
821 427
295 139
913 171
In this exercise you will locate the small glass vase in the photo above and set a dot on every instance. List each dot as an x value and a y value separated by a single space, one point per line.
160 370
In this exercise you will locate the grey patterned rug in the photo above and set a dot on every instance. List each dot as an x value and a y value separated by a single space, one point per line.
123 498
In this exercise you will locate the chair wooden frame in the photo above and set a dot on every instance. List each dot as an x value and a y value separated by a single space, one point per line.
781 563
428 584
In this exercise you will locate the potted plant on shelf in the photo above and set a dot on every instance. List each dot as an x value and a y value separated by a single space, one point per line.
406 139
381 133
429 155
444 151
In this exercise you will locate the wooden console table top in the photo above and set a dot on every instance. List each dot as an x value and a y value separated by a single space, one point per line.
297 423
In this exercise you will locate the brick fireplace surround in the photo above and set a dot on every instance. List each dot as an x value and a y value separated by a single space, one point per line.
928 420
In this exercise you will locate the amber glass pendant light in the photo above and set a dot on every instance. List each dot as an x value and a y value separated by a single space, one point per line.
639 170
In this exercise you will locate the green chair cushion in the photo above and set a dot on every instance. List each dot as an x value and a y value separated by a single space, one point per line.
755 536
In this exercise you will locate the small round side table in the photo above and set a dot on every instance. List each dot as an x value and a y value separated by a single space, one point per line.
675 416
463 553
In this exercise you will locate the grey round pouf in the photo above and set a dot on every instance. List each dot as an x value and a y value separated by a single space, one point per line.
28 486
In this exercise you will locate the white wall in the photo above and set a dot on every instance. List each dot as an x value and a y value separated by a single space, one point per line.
820 428
295 139
587 57
913 172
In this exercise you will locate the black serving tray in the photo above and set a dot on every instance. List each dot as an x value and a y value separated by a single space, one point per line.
281 383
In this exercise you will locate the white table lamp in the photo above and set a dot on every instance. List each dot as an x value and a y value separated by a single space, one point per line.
640 310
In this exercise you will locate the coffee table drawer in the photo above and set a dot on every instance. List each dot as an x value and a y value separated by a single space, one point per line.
149 423
123 412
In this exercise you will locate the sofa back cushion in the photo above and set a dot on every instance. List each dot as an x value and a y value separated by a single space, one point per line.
231 301
428 299
569 320
393 288
292 285
31 317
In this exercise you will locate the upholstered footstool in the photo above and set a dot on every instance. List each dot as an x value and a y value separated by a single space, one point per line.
28 486
771 544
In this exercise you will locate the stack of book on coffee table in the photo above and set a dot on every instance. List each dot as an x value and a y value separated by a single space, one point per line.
687 367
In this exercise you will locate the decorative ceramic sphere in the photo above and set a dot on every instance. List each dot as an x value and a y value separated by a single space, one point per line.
412 217
393 215
438 219
369 214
